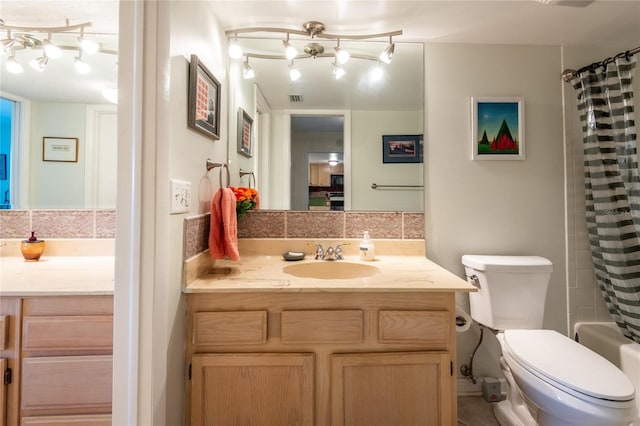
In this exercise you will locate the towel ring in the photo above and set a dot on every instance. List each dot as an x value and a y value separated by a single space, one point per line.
224 166
243 173
212 165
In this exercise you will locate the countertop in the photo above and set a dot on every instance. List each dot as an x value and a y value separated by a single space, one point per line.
57 275
265 273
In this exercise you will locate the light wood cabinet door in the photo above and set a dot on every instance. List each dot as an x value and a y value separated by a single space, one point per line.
3 394
250 389
73 420
381 389
66 385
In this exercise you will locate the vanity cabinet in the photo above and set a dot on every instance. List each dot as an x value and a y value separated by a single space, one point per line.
10 314
320 358
63 374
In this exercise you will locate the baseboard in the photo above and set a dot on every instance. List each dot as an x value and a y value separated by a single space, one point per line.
467 388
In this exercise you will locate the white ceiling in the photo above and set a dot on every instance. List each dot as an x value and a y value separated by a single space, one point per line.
604 22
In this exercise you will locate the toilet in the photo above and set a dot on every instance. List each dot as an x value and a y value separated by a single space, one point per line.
551 379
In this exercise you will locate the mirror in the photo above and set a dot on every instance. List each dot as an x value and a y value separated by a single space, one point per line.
75 168
392 106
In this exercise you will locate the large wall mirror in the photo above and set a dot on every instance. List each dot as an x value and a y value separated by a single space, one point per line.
59 122
317 142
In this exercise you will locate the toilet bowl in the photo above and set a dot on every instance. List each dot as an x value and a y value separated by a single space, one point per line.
552 380
557 381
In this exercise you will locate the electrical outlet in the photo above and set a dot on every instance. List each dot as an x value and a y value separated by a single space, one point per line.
180 197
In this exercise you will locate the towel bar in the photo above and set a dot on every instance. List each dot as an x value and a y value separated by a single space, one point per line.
376 186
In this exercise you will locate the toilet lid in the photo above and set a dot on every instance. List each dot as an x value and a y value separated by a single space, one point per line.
556 358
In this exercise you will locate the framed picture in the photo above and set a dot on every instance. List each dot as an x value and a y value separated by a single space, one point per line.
245 130
402 148
204 100
497 128
60 149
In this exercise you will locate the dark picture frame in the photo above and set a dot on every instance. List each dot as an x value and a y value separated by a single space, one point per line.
245 133
64 150
402 148
204 100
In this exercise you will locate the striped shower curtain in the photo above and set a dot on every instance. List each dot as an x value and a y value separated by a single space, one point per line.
612 186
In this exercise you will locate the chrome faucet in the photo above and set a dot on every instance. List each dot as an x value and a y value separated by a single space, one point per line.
330 253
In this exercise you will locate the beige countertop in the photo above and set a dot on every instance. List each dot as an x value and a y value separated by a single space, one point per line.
57 274
265 273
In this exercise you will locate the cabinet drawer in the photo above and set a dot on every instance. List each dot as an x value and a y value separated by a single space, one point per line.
68 382
230 328
414 327
59 333
81 420
322 326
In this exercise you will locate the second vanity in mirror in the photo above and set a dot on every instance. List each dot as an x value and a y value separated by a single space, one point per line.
322 341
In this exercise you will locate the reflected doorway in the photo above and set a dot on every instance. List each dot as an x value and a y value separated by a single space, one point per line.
317 162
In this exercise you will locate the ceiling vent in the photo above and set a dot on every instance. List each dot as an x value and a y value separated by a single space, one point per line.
295 99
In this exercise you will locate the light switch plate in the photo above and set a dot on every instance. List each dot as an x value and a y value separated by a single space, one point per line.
180 201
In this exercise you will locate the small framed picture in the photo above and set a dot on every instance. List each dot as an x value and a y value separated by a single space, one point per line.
204 100
497 128
60 149
402 149
245 133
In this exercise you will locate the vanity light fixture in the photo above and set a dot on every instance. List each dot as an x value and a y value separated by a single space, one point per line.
311 30
52 51
294 73
247 71
27 38
342 56
338 71
12 65
88 46
333 162
7 43
81 66
39 64
289 51
387 54
235 51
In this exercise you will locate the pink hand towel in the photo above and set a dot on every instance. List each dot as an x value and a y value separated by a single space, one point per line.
223 233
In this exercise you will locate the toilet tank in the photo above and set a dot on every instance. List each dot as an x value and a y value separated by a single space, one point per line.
511 290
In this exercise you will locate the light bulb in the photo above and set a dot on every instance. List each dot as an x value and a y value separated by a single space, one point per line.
51 49
387 54
342 56
88 46
81 66
289 51
14 66
294 74
235 51
376 74
338 71
39 64
247 71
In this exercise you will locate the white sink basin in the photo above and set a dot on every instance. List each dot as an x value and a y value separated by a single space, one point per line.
331 270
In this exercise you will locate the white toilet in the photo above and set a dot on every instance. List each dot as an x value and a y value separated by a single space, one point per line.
552 380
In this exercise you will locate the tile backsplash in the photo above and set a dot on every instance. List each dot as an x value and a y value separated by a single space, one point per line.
58 223
308 224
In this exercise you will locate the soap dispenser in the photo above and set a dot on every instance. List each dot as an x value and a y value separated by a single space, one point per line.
367 249
32 248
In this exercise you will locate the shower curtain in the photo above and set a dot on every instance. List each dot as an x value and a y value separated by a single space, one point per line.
612 185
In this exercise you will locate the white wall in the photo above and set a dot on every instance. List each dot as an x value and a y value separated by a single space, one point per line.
495 207
56 185
367 128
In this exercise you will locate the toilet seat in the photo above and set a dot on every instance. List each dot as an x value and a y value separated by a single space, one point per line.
569 366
